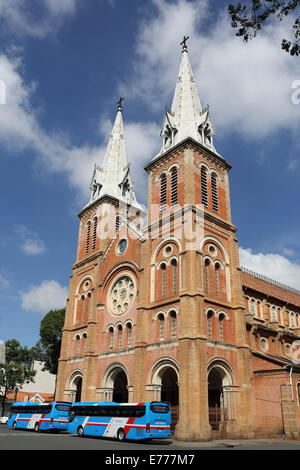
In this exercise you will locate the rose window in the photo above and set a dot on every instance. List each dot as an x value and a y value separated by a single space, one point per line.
122 295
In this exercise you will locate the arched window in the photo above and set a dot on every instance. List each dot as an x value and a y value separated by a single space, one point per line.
77 346
117 223
214 192
83 345
292 320
80 308
174 189
210 315
273 314
129 335
217 268
161 320
206 275
253 307
204 186
163 192
86 306
111 337
120 336
163 281
173 324
175 276
94 233
221 327
88 233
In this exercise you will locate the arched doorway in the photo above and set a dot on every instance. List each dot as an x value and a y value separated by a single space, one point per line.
169 386
115 385
214 399
120 390
219 402
78 384
164 377
74 388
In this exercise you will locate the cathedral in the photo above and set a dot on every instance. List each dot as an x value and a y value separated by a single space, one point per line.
159 307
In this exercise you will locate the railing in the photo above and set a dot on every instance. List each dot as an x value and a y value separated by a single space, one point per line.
270 281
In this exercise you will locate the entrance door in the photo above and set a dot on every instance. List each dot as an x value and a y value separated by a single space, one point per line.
169 393
78 389
214 399
120 392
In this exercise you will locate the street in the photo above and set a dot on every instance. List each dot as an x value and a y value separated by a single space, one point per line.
12 440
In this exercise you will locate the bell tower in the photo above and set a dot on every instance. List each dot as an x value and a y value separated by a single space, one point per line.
189 202
112 203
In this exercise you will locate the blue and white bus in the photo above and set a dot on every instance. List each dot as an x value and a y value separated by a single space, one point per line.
39 417
121 420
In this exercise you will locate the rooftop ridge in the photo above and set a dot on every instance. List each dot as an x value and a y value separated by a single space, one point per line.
270 281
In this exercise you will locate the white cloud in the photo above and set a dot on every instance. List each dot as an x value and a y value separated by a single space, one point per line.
29 241
58 7
247 85
49 295
20 129
4 283
271 265
33 246
21 19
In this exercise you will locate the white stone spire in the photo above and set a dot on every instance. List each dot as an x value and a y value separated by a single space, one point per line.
113 178
186 118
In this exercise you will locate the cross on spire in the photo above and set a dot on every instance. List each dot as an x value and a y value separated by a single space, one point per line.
183 43
119 103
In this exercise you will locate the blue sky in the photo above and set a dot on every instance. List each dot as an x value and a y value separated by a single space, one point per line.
65 63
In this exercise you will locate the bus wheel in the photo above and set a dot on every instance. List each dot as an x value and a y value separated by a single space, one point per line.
80 431
36 427
121 435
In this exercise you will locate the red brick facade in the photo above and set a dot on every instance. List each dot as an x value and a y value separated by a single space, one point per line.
163 311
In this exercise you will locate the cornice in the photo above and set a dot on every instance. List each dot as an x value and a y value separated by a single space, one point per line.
107 199
188 142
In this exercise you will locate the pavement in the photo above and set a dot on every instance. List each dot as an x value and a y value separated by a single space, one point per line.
232 443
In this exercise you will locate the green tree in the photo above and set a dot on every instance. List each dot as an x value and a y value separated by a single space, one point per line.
16 371
48 348
250 16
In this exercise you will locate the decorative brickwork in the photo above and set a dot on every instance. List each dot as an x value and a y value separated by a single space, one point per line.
163 311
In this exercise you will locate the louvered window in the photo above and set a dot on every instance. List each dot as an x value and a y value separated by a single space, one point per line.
209 324
164 280
120 331
111 338
174 189
163 193
175 276
94 233
217 267
204 186
221 327
117 223
161 327
214 192
129 335
206 268
173 324
88 234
